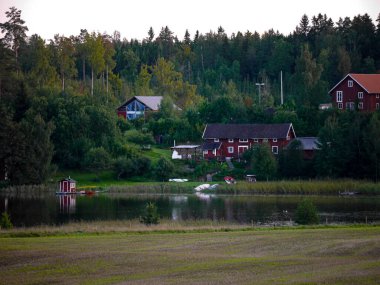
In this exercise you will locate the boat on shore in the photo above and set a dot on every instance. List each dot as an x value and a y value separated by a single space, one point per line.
206 187
229 180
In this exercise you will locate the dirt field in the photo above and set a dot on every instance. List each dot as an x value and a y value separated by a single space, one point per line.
306 256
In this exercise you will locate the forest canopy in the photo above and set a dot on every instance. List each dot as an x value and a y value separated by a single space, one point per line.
58 97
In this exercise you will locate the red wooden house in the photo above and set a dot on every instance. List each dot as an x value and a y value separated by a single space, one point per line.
232 140
357 92
67 185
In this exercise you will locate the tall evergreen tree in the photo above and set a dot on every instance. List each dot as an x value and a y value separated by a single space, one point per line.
14 29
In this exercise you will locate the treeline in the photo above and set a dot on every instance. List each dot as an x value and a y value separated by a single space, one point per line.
58 98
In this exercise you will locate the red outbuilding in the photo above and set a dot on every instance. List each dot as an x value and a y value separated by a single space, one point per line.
67 185
357 92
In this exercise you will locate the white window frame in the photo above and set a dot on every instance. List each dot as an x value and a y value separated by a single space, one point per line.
275 149
242 148
274 140
350 83
339 96
214 151
360 106
243 140
360 95
340 105
377 96
216 140
230 140
256 140
230 149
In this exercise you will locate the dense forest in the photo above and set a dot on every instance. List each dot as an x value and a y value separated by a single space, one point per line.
58 98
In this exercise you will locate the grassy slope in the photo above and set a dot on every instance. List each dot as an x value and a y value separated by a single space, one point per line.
309 256
107 178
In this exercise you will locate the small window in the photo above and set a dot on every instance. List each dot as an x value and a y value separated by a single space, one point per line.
214 152
340 105
265 140
350 83
274 140
360 106
350 105
377 106
205 152
339 96
256 140
230 149
360 95
216 140
275 149
377 96
243 140
230 140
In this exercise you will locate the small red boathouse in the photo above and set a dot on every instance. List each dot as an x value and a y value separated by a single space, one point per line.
67 185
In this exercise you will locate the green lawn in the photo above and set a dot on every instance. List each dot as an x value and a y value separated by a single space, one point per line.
306 256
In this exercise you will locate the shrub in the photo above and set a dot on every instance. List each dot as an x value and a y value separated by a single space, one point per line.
306 213
163 169
5 222
97 159
151 215
134 136
127 167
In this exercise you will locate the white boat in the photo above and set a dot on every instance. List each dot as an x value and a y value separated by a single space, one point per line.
206 186
213 186
178 180
202 187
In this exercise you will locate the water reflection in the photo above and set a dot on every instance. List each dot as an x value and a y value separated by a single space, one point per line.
50 209
67 203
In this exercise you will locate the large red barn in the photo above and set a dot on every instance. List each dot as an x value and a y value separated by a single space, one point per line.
232 140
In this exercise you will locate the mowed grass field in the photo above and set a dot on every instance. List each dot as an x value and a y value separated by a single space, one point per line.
289 256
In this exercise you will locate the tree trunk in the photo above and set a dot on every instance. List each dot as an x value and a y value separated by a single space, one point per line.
92 82
107 80
84 70
63 82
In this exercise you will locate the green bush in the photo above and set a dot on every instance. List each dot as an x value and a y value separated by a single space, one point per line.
140 138
97 159
306 213
127 167
163 169
151 215
5 222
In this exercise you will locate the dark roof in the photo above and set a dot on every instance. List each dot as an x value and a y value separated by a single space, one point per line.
211 145
67 179
247 131
369 82
307 143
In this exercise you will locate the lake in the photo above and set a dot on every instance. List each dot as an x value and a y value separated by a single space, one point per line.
49 209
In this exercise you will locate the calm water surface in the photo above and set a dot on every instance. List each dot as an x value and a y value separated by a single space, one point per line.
51 209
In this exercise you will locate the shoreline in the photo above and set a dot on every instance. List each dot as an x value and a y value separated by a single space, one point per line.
284 187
